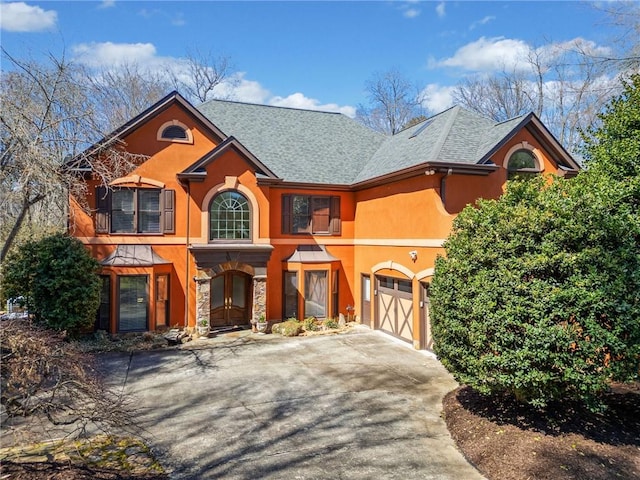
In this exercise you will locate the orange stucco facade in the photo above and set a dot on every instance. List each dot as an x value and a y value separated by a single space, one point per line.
375 267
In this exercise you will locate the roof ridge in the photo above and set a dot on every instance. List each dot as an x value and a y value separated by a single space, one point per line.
512 119
238 102
446 130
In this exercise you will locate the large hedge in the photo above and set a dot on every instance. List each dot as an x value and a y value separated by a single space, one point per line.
58 278
539 293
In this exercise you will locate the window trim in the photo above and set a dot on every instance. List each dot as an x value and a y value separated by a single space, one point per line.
287 214
174 123
250 212
118 302
104 211
285 276
537 157
326 273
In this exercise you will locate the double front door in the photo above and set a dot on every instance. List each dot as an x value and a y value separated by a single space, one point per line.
230 294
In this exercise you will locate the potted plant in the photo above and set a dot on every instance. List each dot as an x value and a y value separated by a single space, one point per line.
262 324
203 327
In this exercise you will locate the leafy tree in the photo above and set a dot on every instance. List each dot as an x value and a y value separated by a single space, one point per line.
58 278
539 295
613 148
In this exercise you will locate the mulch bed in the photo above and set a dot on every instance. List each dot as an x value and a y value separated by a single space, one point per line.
506 440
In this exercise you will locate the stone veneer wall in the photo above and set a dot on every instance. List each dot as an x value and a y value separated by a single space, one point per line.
259 298
203 292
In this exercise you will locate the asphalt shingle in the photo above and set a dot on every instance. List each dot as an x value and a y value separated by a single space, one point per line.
330 148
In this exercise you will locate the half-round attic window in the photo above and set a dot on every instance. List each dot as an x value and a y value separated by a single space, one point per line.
175 131
522 160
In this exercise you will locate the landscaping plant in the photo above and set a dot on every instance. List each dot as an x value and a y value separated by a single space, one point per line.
59 280
539 293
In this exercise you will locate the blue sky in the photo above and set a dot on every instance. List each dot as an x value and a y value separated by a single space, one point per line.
307 54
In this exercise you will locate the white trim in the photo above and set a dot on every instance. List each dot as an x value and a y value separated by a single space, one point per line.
170 123
425 273
365 242
138 180
134 239
537 155
391 265
230 184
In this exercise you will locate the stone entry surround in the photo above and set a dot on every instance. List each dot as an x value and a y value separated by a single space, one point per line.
203 290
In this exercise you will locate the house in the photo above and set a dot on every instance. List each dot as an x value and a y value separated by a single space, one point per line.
242 210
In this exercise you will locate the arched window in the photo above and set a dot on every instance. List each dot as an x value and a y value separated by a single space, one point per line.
174 131
229 217
522 162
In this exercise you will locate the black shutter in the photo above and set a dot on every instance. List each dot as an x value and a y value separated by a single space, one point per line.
169 211
286 214
103 200
335 224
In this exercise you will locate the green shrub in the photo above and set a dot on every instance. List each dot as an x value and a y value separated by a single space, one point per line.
539 293
310 324
59 279
330 323
290 328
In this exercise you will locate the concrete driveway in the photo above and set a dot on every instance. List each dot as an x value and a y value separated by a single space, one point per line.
249 406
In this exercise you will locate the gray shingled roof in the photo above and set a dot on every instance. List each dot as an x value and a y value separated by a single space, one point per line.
319 147
298 145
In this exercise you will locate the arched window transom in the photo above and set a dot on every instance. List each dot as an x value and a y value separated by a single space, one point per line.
229 217
522 160
174 131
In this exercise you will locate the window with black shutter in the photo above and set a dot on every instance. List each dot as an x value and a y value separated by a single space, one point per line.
135 210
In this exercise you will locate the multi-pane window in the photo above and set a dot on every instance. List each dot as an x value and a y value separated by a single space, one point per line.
229 217
311 214
315 293
522 162
135 211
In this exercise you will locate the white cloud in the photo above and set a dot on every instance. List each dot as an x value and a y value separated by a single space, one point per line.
107 4
437 98
175 18
441 9
484 21
240 89
298 100
20 17
489 54
411 12
109 55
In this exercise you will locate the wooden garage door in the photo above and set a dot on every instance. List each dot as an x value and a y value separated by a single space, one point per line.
395 307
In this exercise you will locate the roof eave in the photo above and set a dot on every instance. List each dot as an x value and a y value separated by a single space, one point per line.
229 143
155 109
542 135
427 168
